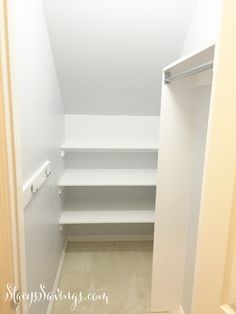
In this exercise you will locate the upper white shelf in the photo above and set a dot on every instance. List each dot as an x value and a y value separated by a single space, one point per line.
111 133
107 146
109 177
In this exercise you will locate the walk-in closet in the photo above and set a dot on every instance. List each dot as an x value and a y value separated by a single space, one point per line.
114 102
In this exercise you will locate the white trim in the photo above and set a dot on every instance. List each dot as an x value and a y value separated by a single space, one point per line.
12 196
227 309
181 311
217 201
57 277
110 238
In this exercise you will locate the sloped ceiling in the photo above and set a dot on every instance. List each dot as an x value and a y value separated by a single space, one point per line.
109 53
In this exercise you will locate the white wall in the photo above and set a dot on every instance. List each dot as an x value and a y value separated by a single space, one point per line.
203 95
204 26
109 53
38 99
111 128
173 194
184 124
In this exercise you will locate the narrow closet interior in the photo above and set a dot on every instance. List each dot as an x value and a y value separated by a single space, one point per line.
112 145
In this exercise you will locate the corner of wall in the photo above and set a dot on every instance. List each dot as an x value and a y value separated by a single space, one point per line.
204 26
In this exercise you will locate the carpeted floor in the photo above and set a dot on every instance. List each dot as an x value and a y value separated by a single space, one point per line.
118 272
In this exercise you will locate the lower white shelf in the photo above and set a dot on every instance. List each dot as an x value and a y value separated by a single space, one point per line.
106 217
109 177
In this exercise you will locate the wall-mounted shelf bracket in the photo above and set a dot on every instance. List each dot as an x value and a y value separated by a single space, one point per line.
167 77
60 227
192 71
60 190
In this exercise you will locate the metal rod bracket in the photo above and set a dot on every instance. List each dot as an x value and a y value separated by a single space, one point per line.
200 68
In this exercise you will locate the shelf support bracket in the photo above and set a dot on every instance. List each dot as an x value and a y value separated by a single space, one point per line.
60 190
167 77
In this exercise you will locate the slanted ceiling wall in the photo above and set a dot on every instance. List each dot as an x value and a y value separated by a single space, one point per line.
109 53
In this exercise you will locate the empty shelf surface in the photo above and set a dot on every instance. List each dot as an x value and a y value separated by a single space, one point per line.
106 216
138 146
109 177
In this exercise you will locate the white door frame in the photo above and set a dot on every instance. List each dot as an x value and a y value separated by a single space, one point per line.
210 281
210 285
12 248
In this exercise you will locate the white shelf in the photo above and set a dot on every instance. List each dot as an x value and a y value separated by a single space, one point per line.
109 177
105 216
193 59
100 146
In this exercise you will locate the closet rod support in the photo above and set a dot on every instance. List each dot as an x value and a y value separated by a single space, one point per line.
200 68
60 190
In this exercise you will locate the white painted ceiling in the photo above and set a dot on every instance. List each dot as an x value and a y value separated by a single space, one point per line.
109 53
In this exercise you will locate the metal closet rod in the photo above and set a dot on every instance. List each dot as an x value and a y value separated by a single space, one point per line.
192 71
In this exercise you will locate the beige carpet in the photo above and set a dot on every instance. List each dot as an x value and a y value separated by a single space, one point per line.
121 270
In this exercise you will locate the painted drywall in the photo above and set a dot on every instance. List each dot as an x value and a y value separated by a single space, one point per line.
203 95
111 128
173 193
109 53
38 100
204 26
177 216
183 127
